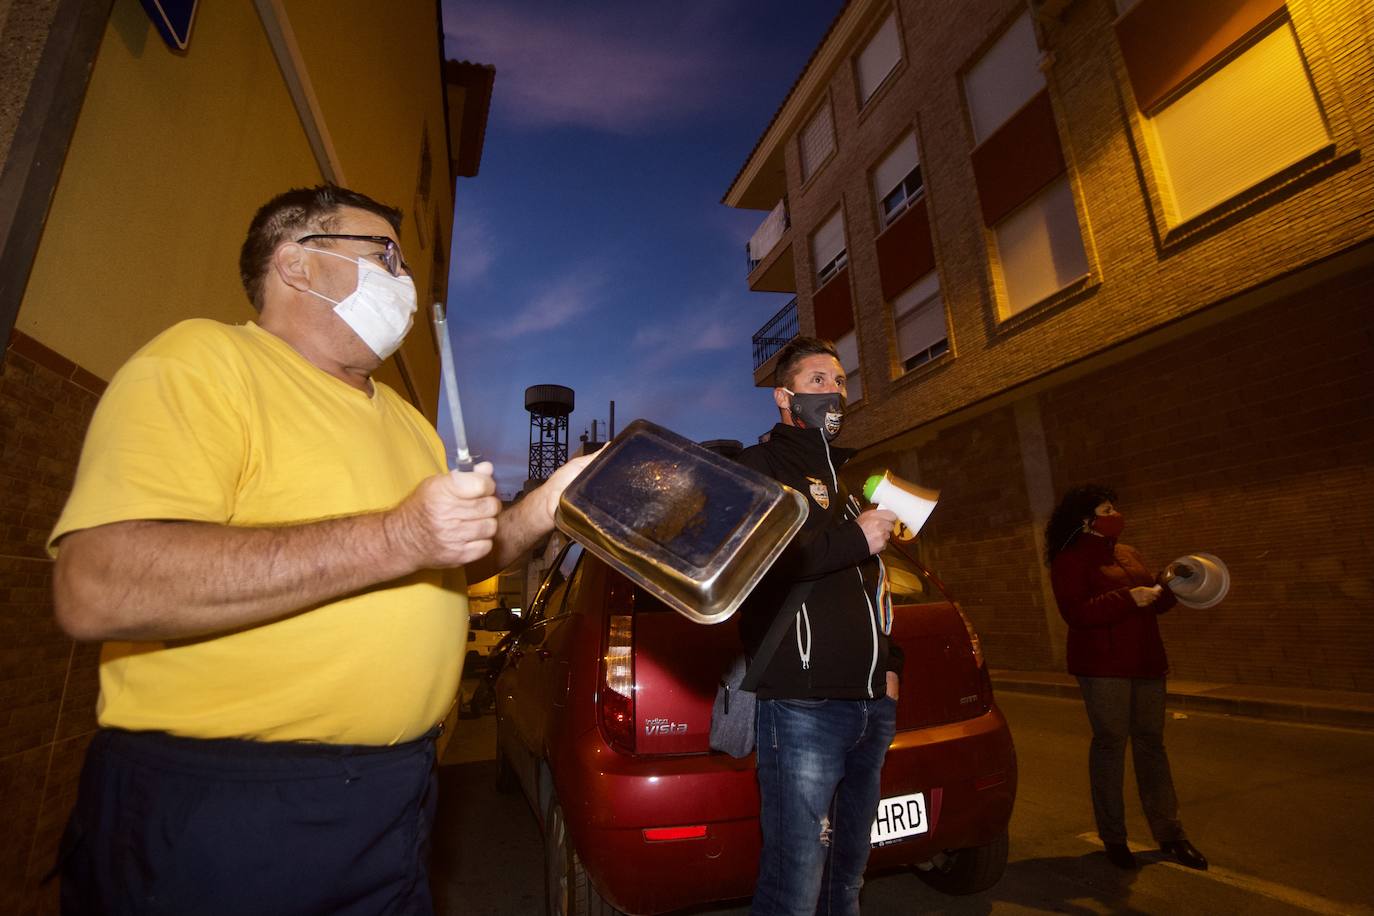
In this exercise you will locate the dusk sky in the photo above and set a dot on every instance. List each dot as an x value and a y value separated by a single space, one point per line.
592 250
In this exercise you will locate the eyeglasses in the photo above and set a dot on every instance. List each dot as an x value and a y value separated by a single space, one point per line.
391 257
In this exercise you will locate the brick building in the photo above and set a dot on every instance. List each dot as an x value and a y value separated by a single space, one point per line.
130 167
1123 241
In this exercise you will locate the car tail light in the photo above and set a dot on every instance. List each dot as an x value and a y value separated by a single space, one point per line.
984 677
664 834
972 636
616 700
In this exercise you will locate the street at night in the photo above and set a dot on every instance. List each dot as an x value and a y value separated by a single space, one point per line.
1280 809
874 423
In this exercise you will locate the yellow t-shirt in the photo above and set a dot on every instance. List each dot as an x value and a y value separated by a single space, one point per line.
230 425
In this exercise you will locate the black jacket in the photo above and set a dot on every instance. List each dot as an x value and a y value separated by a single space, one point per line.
835 647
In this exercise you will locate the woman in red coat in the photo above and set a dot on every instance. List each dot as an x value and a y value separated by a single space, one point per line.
1111 600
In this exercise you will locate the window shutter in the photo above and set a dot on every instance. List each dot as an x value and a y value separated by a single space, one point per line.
1004 79
1250 119
1040 247
878 58
895 167
817 141
920 317
848 348
828 241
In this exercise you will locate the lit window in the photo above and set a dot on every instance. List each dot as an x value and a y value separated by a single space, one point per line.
1040 249
848 348
897 180
1252 118
878 58
817 141
919 316
828 252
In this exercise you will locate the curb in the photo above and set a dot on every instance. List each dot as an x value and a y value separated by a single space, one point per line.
1307 712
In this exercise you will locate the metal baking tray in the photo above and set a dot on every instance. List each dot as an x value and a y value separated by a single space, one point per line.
694 529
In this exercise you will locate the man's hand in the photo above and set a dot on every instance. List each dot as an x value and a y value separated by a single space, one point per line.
893 685
1145 595
877 527
551 490
448 520
523 524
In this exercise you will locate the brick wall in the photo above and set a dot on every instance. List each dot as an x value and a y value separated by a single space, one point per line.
980 541
1252 439
47 682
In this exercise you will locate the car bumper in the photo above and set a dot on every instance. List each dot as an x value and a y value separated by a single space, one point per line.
967 770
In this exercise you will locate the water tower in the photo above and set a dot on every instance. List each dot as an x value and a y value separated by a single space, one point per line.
549 406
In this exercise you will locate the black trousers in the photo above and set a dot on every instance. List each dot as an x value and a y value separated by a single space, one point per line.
1122 709
183 826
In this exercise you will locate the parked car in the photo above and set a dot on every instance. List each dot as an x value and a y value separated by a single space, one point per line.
485 633
603 706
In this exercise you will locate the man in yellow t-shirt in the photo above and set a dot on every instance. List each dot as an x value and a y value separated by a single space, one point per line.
271 548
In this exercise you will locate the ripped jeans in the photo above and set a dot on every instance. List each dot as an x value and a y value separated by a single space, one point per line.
819 768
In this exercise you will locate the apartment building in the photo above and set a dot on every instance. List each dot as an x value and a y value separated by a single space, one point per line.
135 150
1118 241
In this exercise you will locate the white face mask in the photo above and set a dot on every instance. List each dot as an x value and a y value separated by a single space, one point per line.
380 311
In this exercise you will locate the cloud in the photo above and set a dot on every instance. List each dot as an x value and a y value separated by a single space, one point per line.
567 299
602 66
474 249
718 325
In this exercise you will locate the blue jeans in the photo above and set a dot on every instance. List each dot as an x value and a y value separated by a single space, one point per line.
819 767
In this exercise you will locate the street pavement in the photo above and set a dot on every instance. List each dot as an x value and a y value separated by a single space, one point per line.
1282 809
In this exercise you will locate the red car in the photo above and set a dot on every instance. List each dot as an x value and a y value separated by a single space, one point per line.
603 709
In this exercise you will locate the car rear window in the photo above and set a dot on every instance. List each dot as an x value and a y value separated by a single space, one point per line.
909 584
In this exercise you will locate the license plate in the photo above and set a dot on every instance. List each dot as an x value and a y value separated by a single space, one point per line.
899 817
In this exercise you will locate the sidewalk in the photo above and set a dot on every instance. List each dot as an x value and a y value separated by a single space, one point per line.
1348 709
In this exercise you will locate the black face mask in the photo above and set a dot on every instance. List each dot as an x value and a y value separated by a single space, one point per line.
818 411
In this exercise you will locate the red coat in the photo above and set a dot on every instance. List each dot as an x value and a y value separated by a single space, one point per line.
1109 636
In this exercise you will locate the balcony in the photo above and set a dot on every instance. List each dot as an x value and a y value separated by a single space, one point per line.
770 338
769 253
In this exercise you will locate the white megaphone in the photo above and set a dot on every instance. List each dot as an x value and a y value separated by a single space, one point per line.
1198 580
912 503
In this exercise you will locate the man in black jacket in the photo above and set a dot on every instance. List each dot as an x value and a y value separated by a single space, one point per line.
828 696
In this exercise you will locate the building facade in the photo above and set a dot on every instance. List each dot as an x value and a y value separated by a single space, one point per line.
1117 241
132 166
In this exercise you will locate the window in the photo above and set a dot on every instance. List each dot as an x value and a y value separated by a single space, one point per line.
1005 78
1252 118
828 253
919 316
897 180
908 581
1020 169
548 602
878 58
1040 248
848 347
817 141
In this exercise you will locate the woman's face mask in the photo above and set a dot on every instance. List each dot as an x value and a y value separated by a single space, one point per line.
380 310
1109 525
818 411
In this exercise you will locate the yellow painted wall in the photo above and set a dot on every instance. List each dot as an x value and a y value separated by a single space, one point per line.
173 153
375 116
171 156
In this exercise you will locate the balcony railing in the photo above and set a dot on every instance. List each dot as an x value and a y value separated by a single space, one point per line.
767 235
779 329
